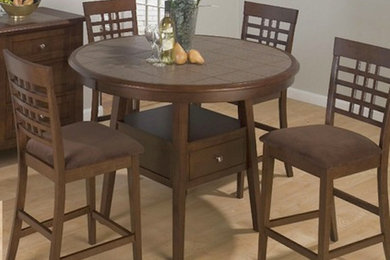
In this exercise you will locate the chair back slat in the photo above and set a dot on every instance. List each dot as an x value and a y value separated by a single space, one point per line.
110 19
41 111
39 137
360 84
34 104
269 25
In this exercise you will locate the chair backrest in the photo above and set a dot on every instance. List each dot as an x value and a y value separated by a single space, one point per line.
359 85
34 105
269 25
110 19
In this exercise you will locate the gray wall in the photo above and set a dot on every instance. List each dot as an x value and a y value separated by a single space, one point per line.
318 23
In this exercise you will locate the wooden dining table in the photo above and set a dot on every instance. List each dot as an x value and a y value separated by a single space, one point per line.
187 145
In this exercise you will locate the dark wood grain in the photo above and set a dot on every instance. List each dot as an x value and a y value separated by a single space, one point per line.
359 88
273 26
107 20
234 70
179 137
37 123
47 37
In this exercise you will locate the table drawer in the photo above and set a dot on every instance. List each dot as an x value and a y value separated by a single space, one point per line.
39 46
216 158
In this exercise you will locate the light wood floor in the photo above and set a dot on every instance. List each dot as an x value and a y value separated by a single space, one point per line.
218 226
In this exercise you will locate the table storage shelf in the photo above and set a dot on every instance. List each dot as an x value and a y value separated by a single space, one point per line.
187 145
216 145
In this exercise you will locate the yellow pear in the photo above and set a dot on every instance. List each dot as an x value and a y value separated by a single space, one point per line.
18 2
28 2
180 54
195 57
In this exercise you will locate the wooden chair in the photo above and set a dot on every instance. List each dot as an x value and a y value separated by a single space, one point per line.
106 20
360 90
65 154
273 26
109 19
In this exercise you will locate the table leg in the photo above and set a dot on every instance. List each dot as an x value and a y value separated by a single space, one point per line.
245 110
179 176
117 113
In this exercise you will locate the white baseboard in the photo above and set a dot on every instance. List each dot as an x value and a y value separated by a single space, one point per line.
308 97
293 93
319 100
87 113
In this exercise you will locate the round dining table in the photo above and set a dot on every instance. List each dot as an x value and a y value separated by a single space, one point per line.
200 145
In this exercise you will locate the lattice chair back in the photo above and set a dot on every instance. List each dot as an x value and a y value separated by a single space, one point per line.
269 25
110 19
360 84
34 105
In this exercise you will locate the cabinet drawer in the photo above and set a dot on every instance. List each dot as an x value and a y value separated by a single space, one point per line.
39 46
216 158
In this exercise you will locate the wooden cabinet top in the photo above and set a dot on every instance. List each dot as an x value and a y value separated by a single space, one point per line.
42 18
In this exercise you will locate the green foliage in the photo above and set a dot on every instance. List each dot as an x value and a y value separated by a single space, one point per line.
6 2
185 2
184 14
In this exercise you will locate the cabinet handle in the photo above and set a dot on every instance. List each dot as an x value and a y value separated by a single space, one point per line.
42 46
219 158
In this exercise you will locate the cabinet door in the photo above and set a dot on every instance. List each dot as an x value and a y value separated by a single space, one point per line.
9 123
50 47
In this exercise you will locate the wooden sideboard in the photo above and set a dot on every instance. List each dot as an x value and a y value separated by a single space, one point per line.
47 37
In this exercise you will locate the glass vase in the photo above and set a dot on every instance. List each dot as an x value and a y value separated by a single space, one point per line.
184 14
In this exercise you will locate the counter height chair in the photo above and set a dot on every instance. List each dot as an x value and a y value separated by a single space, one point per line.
273 26
65 154
359 88
109 19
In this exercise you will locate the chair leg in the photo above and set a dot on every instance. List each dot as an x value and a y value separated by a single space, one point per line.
289 170
20 201
135 206
383 199
265 205
283 124
136 105
58 220
95 106
240 185
91 202
107 192
333 223
324 227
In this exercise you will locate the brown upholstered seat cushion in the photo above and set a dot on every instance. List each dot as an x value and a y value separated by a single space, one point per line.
323 145
86 143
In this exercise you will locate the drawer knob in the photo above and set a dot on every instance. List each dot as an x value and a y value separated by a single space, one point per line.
42 46
219 158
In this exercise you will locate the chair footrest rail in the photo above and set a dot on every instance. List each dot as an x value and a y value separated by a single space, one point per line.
356 201
294 218
48 223
337 252
43 228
